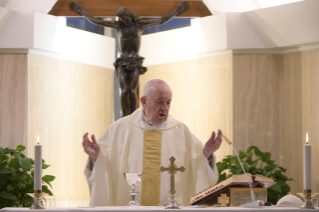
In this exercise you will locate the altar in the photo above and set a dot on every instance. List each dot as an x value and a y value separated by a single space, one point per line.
157 209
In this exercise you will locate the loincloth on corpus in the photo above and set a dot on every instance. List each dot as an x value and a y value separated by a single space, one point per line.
130 64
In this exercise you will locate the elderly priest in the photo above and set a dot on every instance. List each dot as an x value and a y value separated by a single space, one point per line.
143 142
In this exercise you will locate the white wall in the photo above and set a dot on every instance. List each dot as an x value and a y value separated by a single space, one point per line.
42 6
43 34
230 6
287 25
280 28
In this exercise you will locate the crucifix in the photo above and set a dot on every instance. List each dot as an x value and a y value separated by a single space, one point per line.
172 169
223 200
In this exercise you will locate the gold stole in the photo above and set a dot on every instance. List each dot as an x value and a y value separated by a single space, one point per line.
151 167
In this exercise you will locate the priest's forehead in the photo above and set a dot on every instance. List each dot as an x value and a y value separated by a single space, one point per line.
155 86
161 91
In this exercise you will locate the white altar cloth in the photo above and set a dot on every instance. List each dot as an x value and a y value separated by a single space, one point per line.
156 209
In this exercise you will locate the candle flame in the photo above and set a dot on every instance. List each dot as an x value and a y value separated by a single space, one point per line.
307 138
38 140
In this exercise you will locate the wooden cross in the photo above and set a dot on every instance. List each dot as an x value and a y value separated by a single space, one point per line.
172 169
223 200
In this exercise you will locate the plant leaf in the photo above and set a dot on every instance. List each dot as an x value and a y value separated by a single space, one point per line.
46 190
258 153
6 171
48 183
48 178
44 166
270 162
9 151
14 163
20 148
271 167
221 166
3 158
3 179
222 177
29 188
266 157
284 187
14 176
28 201
9 187
276 187
282 169
25 163
6 195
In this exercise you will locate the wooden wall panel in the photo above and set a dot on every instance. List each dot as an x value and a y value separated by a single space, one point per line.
292 119
257 103
67 99
202 95
13 100
300 113
310 108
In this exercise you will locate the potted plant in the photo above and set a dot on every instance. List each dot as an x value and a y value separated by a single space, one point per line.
257 162
17 178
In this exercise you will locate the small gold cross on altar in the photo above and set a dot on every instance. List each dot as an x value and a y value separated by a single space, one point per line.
223 200
172 169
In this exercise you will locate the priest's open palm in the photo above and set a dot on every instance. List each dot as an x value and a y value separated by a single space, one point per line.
90 147
213 143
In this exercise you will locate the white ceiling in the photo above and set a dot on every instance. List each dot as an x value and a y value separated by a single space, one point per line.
228 6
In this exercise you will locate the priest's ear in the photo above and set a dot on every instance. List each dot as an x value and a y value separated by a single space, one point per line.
143 101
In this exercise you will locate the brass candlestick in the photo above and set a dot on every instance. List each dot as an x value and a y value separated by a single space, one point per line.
37 197
307 198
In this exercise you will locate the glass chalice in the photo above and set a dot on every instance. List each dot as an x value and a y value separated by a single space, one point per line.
133 179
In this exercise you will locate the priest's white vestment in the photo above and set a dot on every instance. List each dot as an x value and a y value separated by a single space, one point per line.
121 150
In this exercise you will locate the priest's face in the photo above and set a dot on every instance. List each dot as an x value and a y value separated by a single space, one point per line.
156 105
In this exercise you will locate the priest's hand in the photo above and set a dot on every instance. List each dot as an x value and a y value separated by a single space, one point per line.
90 147
213 143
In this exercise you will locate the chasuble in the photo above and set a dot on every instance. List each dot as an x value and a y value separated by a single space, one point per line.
126 147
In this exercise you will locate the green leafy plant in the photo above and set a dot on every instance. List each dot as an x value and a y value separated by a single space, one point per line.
17 178
258 163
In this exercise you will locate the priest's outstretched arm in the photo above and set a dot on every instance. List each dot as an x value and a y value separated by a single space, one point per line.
92 148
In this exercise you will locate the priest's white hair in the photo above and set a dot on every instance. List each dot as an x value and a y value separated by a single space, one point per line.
149 86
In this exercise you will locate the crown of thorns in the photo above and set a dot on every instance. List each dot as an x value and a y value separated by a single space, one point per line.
124 11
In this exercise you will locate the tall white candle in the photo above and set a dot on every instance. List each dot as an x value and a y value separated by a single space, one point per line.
307 165
38 166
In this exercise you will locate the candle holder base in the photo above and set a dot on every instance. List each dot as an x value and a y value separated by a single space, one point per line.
307 199
37 197
172 204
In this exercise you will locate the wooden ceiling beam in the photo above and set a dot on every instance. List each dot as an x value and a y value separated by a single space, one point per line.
140 8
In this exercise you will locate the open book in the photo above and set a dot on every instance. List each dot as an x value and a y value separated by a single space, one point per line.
233 181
